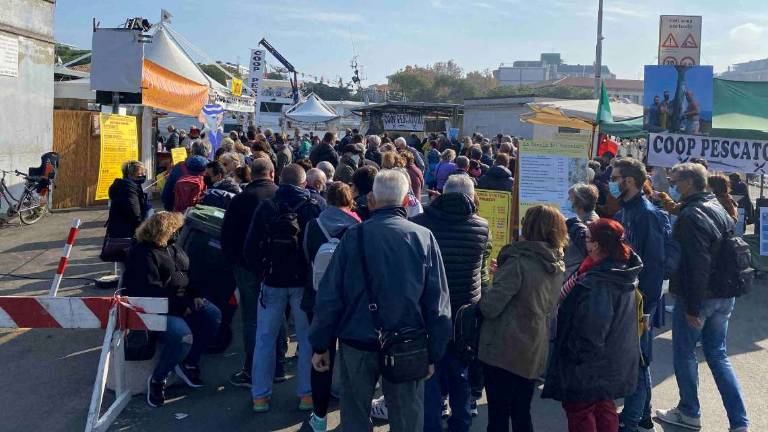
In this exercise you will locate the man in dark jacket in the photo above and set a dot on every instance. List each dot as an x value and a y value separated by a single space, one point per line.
234 228
195 164
173 138
702 311
362 184
498 176
324 151
273 248
219 189
401 144
350 161
416 296
128 202
465 246
316 185
646 228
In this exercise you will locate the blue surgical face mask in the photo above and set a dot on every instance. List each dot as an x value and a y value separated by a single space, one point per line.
614 189
674 194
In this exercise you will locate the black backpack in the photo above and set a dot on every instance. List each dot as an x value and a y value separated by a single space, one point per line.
283 254
466 332
733 274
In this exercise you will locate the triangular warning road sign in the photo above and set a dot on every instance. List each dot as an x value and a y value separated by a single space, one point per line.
670 42
689 42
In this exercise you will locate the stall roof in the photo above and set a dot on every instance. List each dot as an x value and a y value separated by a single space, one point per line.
434 107
311 110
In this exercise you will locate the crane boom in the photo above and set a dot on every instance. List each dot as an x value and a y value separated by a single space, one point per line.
287 64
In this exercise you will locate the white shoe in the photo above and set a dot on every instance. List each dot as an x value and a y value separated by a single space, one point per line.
675 417
379 409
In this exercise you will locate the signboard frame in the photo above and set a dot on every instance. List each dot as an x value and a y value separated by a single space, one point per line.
119 140
680 40
403 121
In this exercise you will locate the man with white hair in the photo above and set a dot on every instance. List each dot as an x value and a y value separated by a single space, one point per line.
401 144
465 245
386 276
329 170
316 185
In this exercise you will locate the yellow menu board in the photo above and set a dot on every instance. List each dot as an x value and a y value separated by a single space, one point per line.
119 144
496 208
178 154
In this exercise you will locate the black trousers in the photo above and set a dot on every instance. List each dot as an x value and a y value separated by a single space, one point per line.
321 386
509 398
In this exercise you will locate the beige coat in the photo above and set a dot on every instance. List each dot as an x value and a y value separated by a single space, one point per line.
518 307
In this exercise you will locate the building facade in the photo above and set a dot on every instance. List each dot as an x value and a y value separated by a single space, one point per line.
618 89
549 67
756 70
26 84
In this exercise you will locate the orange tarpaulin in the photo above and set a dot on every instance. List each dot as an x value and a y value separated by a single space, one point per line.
169 91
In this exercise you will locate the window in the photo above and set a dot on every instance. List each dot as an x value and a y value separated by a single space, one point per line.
568 130
275 107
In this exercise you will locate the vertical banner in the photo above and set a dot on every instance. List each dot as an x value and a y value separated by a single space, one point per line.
255 77
119 144
546 170
496 208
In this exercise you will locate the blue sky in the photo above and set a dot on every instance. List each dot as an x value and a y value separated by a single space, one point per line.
320 36
699 80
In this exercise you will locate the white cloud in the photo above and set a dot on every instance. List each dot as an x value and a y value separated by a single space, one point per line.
747 33
324 17
625 10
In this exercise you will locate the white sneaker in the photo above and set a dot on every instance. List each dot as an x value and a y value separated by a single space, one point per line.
379 409
675 417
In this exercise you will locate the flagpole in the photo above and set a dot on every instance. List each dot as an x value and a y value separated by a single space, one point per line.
599 50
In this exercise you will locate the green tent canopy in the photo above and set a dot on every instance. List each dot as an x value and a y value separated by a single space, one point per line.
740 109
630 128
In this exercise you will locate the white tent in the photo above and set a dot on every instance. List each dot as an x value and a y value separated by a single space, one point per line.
587 109
311 110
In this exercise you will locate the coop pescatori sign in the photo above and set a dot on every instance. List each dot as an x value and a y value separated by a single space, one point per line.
722 154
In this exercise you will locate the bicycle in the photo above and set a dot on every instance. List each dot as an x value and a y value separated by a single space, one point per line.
30 206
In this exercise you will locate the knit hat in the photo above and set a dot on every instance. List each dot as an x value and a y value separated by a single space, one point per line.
196 164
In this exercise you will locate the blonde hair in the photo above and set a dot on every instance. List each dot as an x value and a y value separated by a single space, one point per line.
392 160
545 224
159 228
130 168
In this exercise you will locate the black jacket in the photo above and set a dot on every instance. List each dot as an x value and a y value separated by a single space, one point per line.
345 169
154 271
597 350
323 152
127 208
237 219
497 178
374 155
361 207
407 273
700 223
465 244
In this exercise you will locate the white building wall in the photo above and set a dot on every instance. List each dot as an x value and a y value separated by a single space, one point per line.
26 101
493 116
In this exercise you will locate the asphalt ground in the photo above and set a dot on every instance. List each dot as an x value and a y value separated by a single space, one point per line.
47 376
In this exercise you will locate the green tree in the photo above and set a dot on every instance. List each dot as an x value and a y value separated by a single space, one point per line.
214 72
327 92
67 54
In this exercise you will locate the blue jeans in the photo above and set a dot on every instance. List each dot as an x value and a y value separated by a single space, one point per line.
270 319
715 313
454 373
186 338
249 286
637 406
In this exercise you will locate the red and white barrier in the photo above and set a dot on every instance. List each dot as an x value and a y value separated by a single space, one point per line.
64 257
114 314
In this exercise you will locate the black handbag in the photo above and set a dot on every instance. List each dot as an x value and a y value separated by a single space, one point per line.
140 345
403 353
116 249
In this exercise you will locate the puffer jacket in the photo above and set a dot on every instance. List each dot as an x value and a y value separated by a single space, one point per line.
127 209
345 169
465 243
597 349
518 307
701 222
497 178
324 152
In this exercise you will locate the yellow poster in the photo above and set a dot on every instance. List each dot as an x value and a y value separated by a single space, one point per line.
237 87
119 144
496 208
546 170
178 154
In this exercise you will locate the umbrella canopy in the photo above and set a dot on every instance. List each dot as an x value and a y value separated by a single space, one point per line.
311 110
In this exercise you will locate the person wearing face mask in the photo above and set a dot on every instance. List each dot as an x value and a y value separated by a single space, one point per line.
157 267
350 161
646 229
583 198
128 203
220 188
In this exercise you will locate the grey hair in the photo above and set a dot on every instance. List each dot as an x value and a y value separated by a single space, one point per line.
201 148
316 174
461 184
584 196
374 141
448 155
389 188
693 171
327 168
401 141
130 168
590 175
234 157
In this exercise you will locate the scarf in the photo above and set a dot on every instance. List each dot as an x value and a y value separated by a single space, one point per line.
568 285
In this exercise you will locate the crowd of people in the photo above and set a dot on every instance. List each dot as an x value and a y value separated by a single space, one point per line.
372 248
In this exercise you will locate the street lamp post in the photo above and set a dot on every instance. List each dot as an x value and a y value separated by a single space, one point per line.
599 50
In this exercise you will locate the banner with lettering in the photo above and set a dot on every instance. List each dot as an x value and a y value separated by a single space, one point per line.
722 154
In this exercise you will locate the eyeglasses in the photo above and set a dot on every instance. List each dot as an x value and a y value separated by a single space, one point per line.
617 177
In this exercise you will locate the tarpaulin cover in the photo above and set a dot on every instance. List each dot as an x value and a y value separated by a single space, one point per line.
740 105
168 91
577 114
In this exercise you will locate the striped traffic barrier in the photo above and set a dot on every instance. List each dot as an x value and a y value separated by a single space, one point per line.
114 314
64 257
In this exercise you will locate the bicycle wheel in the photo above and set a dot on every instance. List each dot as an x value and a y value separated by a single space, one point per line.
30 209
